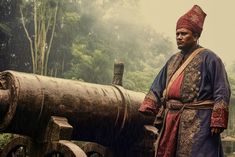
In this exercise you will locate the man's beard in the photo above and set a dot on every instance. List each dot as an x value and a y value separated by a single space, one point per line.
186 48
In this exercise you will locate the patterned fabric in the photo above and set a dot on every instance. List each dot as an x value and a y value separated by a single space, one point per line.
187 132
190 87
189 127
192 20
219 116
173 65
149 105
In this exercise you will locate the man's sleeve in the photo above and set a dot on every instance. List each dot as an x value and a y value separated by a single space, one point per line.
221 93
152 100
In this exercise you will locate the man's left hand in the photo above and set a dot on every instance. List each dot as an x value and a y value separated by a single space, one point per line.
216 130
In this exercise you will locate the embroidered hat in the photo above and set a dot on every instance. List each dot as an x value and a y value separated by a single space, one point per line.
192 20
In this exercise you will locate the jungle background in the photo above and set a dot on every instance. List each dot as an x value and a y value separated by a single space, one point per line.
82 39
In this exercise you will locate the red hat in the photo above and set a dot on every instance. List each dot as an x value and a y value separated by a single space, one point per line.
192 20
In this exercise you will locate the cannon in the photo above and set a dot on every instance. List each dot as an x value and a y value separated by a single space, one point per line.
48 114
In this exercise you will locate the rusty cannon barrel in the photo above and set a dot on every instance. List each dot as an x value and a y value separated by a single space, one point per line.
106 114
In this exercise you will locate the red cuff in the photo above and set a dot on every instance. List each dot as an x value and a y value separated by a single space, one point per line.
219 117
148 106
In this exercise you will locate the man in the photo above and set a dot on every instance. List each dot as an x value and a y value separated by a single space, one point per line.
194 90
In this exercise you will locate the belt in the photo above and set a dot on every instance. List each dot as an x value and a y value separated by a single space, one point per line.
178 105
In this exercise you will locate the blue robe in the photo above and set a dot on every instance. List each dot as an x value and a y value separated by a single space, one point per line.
203 79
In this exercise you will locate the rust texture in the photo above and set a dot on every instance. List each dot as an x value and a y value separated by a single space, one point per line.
106 114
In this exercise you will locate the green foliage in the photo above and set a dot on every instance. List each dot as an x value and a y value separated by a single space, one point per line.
232 84
94 66
90 35
7 12
231 77
140 80
106 35
5 138
66 31
39 20
5 29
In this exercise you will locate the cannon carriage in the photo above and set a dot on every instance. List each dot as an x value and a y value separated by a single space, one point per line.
49 114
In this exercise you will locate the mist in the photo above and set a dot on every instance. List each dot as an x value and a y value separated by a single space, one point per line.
82 39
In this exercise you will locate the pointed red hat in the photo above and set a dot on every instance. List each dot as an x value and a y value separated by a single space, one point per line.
192 20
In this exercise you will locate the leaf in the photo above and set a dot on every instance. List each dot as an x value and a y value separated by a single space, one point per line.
4 28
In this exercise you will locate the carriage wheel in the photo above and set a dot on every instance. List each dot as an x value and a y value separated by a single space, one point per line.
96 150
19 146
64 148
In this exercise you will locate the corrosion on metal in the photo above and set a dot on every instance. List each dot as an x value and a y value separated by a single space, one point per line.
100 113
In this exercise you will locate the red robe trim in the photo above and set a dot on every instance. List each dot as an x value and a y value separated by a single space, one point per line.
167 143
219 117
174 90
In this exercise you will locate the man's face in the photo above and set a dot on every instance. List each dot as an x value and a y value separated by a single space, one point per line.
185 39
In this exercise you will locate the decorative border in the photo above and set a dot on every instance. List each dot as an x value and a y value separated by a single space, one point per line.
192 76
219 117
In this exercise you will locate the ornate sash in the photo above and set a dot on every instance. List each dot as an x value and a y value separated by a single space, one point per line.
180 70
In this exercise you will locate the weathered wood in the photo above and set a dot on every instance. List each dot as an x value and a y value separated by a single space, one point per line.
118 73
56 141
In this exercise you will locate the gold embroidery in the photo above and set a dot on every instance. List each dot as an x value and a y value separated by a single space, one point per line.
173 65
189 126
219 117
192 75
221 105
